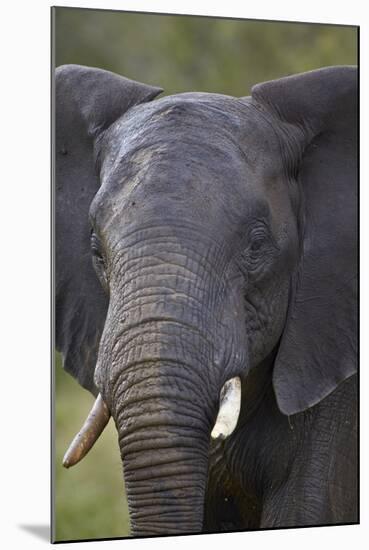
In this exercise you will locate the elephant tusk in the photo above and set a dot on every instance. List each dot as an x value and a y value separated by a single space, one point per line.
89 434
229 409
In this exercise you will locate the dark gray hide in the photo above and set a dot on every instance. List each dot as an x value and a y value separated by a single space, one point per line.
318 349
316 111
87 101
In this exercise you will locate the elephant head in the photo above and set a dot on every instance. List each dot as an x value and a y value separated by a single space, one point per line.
198 235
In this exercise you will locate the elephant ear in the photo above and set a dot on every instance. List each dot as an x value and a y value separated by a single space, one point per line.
87 102
318 347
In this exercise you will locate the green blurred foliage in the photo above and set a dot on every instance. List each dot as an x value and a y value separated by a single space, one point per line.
177 53
184 53
89 498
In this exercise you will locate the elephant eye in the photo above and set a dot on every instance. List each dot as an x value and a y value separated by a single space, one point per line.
256 245
259 249
258 240
98 261
96 246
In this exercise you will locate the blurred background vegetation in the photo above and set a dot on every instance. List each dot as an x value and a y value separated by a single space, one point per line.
89 498
177 53
186 53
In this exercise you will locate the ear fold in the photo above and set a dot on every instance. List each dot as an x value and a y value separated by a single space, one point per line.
87 101
318 347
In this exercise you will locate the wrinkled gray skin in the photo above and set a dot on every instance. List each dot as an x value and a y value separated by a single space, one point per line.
223 244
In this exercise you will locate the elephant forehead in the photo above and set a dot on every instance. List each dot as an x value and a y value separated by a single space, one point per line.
193 117
184 133
202 153
200 179
181 109
162 127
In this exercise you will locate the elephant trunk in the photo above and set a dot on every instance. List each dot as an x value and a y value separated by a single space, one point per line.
164 440
161 368
164 416
163 384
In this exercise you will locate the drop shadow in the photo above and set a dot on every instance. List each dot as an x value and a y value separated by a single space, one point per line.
40 531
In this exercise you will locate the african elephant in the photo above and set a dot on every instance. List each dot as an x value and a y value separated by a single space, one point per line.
205 294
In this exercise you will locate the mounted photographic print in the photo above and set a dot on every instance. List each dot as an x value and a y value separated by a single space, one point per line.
205 243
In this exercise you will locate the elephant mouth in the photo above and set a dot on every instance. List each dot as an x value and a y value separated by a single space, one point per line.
98 418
